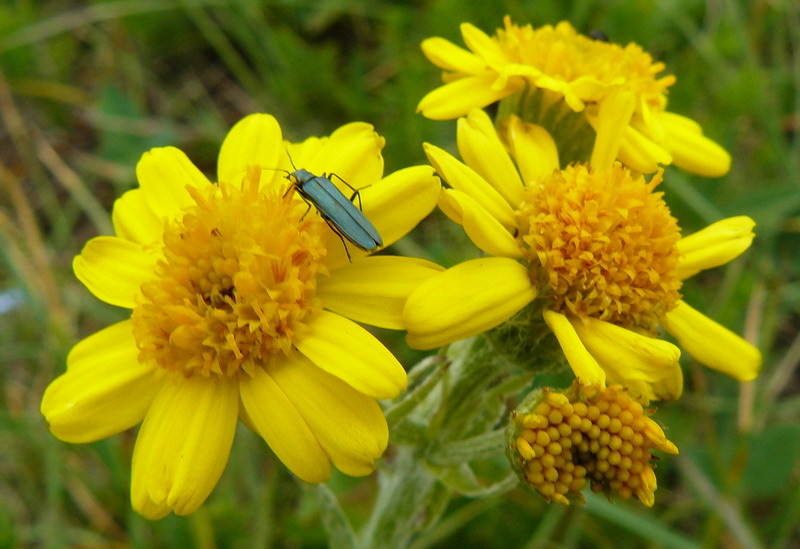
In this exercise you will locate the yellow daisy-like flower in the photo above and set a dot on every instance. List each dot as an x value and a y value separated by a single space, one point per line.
560 441
547 74
239 295
591 250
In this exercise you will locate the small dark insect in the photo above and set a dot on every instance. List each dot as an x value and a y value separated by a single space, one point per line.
339 212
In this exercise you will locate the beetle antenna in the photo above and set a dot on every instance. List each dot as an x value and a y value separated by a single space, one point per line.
290 159
275 169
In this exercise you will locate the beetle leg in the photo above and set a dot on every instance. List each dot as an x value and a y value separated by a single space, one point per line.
334 229
308 203
356 192
308 209
292 186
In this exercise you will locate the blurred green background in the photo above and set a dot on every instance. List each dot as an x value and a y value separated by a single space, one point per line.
87 87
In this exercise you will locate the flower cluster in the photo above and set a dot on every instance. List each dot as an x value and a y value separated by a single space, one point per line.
586 435
582 258
245 299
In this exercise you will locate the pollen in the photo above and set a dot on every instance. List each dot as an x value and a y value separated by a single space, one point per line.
563 54
601 244
615 460
235 283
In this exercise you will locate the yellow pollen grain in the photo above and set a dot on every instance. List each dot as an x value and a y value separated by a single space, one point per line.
534 466
559 498
235 284
543 409
528 436
525 449
542 438
602 244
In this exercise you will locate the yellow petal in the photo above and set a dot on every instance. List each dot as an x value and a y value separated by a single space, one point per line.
463 178
583 364
448 56
481 150
468 299
402 199
461 96
647 366
346 350
613 117
374 289
184 444
533 149
349 425
582 90
691 150
105 390
135 221
276 418
715 245
113 269
712 344
90 350
163 175
484 230
483 45
254 140
647 117
352 153
640 153
654 432
415 188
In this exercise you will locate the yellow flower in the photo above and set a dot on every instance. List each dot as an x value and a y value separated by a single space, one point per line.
547 74
562 440
591 250
239 296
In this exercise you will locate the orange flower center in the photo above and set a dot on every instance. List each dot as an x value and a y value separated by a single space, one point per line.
602 245
236 281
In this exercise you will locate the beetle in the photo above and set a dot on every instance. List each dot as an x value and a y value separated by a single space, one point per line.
341 214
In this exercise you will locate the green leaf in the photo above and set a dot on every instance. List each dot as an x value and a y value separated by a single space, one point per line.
773 455
409 497
340 532
409 432
462 479
411 399
485 446
642 525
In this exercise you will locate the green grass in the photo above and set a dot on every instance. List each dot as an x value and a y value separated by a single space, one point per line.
86 88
